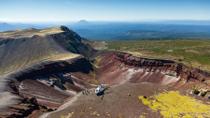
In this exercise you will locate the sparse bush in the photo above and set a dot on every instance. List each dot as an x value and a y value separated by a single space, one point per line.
196 92
203 94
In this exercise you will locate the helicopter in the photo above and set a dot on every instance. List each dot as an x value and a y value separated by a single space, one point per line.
100 90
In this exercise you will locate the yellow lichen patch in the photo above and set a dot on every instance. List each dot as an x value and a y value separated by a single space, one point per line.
173 105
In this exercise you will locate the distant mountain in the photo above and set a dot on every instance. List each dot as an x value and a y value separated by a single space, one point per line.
5 26
83 22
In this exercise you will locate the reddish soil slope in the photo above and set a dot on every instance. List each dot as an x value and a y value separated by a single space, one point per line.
128 77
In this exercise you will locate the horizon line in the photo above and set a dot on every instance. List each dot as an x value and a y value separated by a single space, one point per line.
128 21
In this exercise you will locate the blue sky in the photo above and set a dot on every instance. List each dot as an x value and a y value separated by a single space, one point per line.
103 10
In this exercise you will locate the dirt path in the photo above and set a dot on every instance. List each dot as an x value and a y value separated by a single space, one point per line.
72 100
64 106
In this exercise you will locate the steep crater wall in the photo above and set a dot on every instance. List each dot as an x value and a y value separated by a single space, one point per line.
49 84
180 69
115 64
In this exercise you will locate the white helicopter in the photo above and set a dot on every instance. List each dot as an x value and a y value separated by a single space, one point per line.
100 90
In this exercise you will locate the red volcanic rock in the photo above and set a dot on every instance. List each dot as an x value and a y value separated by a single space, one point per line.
153 65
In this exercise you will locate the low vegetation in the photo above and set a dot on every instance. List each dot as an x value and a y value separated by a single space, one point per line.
68 116
174 105
195 53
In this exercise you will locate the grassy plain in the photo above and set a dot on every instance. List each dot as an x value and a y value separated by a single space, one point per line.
195 53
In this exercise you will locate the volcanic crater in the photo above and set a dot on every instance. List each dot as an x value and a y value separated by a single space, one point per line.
53 72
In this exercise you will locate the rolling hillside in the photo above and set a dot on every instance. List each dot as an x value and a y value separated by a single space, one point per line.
22 48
